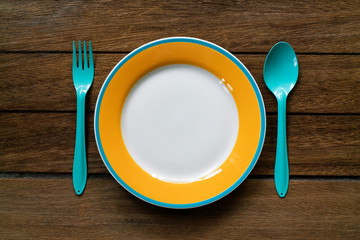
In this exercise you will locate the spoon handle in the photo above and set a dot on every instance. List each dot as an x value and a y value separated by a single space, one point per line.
281 162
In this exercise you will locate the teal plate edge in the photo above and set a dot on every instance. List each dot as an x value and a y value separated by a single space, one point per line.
253 84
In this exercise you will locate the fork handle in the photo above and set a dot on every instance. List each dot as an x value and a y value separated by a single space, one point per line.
80 165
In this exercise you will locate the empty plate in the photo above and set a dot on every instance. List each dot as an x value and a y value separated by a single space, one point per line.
180 122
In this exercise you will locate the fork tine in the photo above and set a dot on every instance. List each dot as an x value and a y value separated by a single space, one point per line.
91 63
80 57
85 56
74 56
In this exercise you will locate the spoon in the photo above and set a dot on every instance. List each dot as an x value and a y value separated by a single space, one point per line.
281 71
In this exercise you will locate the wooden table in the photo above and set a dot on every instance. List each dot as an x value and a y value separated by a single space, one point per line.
38 117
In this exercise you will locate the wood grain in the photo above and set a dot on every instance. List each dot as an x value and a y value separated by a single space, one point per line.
327 83
49 209
37 119
242 26
317 145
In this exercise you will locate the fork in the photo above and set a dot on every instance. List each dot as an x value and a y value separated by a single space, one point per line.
83 75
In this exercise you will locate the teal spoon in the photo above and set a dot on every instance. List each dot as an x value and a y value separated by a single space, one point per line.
281 71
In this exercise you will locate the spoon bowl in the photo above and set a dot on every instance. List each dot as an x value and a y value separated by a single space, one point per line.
281 68
281 71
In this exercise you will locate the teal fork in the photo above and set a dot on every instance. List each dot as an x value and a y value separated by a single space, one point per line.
83 75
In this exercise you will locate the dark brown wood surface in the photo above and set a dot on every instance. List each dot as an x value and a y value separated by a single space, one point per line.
319 89
239 26
48 208
54 134
38 117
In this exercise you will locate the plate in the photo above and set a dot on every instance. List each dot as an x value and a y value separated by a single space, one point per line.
180 122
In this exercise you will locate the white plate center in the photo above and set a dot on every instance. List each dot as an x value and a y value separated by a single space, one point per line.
179 123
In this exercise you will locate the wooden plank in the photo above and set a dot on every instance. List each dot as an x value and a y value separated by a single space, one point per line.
327 84
317 145
242 26
48 208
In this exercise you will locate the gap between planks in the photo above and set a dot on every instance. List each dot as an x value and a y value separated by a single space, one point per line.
92 111
126 52
47 175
